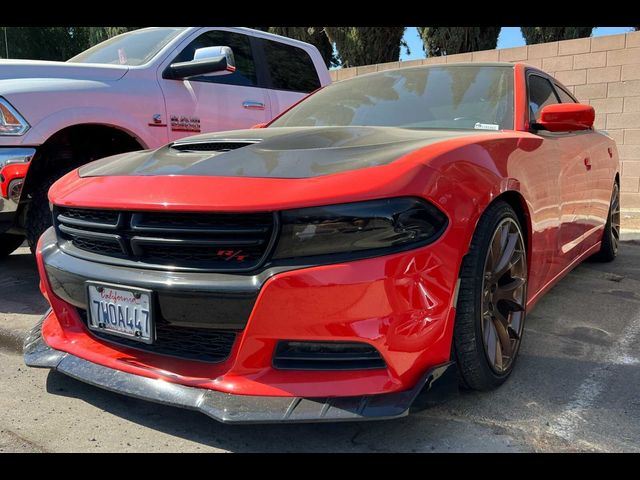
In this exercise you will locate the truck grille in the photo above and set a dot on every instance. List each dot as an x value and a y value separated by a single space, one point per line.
201 344
194 241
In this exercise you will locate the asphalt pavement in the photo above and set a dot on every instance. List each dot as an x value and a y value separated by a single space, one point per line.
576 387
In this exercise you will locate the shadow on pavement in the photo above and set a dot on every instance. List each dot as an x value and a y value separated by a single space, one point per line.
19 292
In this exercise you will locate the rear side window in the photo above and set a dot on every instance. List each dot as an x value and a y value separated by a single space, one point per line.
245 74
290 68
564 95
541 94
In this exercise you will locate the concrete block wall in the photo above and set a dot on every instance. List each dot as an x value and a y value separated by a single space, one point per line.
602 71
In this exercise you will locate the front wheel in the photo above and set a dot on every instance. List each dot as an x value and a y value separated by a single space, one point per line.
492 300
38 213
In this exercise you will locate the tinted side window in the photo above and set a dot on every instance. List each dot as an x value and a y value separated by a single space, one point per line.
245 73
564 95
541 94
290 68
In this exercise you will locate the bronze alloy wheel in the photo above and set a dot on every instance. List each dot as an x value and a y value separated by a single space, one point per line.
504 287
614 218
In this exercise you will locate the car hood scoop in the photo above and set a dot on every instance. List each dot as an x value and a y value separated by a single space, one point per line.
210 146
299 152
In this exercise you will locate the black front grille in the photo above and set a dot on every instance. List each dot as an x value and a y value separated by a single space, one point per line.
201 344
209 241
293 355
97 216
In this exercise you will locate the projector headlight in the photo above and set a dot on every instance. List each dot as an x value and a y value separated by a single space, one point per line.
359 229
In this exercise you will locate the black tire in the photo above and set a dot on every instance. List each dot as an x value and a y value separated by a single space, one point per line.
611 235
38 214
9 244
474 366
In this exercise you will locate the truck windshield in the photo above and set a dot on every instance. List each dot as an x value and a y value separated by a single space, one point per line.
441 97
132 48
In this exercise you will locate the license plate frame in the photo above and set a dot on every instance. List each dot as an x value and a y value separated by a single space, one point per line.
146 299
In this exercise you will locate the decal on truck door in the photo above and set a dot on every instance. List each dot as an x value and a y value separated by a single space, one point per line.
185 124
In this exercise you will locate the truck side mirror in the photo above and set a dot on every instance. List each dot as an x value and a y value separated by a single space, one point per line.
205 60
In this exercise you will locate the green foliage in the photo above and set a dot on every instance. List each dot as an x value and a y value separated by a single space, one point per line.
313 35
42 43
53 43
451 40
533 35
100 34
366 45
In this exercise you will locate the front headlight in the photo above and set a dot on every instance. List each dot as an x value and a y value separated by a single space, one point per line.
359 229
11 122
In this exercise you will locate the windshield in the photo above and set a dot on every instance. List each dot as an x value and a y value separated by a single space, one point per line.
132 48
458 97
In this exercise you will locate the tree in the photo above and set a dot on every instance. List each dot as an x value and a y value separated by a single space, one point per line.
534 35
366 45
313 35
100 34
53 43
451 40
43 43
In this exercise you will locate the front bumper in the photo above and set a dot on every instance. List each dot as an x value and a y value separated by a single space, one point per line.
13 169
229 408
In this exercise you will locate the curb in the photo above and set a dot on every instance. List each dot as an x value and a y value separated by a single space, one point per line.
631 236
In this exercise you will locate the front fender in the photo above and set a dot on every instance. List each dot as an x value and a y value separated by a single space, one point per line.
70 117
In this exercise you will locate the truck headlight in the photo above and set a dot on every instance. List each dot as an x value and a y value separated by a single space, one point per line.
11 122
362 229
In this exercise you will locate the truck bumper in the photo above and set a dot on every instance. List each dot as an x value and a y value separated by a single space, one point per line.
230 408
14 163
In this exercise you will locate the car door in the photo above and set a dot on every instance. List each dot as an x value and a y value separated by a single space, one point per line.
599 170
290 73
573 180
219 101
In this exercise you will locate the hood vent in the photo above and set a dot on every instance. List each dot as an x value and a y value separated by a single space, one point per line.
215 146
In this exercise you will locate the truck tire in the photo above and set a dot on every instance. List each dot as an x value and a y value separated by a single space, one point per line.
491 305
9 243
38 215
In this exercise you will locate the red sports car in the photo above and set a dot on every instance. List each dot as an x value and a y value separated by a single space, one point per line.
385 234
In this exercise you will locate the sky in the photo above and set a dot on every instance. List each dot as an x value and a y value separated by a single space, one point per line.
509 37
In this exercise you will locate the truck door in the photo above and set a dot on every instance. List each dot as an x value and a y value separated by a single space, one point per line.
218 101
290 73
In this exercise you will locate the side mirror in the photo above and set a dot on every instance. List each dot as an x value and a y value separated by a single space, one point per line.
205 60
566 117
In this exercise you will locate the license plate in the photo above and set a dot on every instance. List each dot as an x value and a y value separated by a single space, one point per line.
121 311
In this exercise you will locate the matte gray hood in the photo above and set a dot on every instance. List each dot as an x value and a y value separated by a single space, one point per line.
299 152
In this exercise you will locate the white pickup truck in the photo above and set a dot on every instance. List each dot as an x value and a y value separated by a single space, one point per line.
139 90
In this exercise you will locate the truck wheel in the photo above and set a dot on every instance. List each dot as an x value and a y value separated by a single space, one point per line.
39 216
9 243
492 299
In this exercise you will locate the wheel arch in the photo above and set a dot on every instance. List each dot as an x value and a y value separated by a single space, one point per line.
68 141
516 201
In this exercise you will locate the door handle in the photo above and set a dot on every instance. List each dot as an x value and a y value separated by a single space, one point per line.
587 163
252 105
